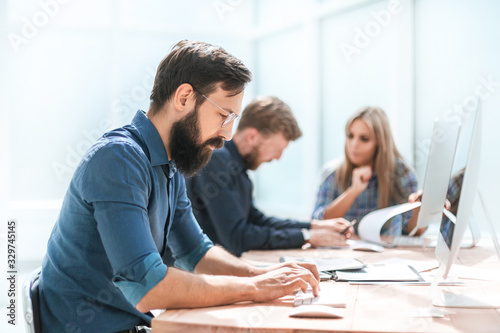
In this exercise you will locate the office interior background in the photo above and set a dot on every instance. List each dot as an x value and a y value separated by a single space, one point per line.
72 69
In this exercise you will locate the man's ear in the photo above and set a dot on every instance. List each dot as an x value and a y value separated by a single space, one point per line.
184 98
252 136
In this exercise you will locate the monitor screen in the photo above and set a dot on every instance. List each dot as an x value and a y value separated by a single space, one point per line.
462 191
446 229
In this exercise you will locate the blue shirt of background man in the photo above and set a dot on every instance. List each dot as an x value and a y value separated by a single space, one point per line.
367 201
125 204
222 203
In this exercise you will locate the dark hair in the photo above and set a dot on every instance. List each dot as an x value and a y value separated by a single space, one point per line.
270 115
203 66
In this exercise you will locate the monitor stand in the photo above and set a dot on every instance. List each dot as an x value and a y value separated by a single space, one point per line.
467 299
474 231
448 299
489 223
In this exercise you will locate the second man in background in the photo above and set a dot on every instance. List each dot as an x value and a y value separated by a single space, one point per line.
221 194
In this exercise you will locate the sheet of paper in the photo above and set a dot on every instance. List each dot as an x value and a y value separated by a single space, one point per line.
465 272
380 273
420 266
428 313
329 264
371 224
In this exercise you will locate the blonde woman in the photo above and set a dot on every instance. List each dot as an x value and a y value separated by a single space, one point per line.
373 174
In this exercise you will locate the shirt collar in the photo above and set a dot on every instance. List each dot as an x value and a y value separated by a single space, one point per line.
153 141
233 150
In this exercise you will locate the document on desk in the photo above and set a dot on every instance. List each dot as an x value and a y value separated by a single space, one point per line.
329 264
370 226
426 270
380 273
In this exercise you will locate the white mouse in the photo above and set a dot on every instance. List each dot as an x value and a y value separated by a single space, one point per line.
369 247
316 311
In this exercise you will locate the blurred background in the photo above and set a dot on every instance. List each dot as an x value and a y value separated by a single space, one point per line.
71 70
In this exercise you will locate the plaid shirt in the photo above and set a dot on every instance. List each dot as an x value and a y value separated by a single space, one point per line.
367 201
454 190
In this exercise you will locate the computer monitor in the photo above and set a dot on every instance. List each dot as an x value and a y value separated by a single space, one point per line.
453 228
439 165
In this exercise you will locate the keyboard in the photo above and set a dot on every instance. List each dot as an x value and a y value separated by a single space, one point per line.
408 241
327 296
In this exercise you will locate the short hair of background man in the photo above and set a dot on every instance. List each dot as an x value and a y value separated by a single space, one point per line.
270 115
202 65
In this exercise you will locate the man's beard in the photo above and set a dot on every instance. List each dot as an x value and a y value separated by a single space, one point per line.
190 156
251 159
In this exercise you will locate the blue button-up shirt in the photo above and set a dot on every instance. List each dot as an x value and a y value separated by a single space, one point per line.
125 204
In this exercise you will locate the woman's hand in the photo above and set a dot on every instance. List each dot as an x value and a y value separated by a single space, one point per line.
360 178
417 196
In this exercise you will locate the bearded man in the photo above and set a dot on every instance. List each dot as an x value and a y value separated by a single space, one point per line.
127 204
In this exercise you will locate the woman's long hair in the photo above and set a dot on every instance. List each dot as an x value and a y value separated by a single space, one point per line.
384 164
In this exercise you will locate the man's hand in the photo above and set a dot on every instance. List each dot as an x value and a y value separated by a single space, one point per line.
307 265
180 289
285 279
337 225
326 238
360 178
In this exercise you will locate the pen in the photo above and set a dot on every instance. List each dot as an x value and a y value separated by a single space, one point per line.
353 222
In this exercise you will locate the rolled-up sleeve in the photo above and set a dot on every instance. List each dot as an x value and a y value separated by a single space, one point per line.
117 184
136 281
189 262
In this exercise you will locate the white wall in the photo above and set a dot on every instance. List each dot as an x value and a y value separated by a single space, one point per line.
72 72
75 69
457 57
427 58
333 59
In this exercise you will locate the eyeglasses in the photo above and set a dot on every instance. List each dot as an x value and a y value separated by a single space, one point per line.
231 116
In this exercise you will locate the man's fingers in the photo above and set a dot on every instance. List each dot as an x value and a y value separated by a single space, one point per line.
300 278
286 279
311 267
349 233
307 279
341 240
